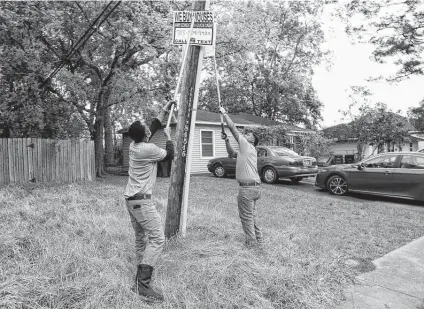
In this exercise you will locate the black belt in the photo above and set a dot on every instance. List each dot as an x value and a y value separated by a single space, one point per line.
249 184
139 197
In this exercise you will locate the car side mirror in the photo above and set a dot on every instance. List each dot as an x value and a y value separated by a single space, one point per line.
360 166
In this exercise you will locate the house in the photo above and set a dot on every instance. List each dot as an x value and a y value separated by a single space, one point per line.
345 143
207 143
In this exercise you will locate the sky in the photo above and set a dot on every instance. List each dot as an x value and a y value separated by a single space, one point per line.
350 66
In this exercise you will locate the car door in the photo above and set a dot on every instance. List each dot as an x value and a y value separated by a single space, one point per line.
229 165
374 175
408 179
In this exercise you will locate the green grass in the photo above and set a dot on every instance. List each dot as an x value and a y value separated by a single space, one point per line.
71 246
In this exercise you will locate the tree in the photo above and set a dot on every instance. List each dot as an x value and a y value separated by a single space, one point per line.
377 126
95 82
416 116
315 145
24 109
396 28
265 52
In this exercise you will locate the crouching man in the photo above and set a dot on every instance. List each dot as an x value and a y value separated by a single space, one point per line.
248 178
146 221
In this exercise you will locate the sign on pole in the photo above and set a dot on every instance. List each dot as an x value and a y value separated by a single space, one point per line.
203 32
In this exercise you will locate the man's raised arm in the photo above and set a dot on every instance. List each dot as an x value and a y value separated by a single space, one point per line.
230 124
157 122
230 150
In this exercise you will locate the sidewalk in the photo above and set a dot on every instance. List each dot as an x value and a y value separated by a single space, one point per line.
396 283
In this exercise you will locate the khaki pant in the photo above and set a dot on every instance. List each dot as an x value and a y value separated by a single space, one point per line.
148 230
247 198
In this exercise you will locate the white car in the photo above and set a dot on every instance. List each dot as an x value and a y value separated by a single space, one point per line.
420 150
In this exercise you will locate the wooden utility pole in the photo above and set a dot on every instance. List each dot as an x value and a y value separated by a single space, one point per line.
178 171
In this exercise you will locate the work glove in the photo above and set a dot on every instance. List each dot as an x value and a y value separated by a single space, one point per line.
222 110
168 105
167 132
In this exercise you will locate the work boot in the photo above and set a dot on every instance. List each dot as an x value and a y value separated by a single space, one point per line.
142 283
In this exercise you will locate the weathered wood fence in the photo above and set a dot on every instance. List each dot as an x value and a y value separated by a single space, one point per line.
45 160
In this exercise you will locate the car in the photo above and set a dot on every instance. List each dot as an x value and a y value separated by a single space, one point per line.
393 174
274 162
421 150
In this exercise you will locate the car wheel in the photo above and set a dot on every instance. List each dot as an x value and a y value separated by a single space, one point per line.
219 171
296 179
337 185
269 174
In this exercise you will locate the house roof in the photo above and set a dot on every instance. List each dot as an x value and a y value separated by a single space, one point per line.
344 131
212 118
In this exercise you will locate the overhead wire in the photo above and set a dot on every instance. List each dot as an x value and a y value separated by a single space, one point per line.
82 40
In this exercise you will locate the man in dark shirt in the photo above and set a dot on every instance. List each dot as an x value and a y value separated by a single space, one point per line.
146 221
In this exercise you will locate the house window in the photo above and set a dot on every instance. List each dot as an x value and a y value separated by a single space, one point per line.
207 144
410 147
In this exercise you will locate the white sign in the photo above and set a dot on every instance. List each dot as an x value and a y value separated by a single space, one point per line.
203 32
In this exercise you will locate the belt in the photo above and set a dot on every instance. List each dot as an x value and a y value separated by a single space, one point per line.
139 197
249 184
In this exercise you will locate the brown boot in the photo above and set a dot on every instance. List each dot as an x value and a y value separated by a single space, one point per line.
142 283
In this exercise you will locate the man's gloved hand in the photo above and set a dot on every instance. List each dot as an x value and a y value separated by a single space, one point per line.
168 105
222 110
167 132
224 136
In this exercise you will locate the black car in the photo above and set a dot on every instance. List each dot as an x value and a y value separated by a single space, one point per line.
394 174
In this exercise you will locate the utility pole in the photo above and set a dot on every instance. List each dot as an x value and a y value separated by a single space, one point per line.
184 122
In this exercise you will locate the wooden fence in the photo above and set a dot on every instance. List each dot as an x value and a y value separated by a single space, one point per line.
45 160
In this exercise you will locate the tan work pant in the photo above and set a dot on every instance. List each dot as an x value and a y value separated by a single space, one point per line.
148 230
246 199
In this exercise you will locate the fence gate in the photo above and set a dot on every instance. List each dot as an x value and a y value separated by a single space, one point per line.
45 160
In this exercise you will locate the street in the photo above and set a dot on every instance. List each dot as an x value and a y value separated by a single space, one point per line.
307 185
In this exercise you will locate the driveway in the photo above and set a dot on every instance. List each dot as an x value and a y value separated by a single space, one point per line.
307 185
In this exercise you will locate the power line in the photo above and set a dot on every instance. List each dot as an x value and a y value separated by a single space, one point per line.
82 40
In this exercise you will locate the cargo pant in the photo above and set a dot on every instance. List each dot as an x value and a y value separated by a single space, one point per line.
246 199
148 230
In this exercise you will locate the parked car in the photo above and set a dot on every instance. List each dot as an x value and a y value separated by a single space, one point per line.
274 162
335 159
394 174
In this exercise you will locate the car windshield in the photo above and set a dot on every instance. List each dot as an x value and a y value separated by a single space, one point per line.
285 152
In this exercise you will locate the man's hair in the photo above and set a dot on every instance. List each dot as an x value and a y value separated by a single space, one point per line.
255 143
137 132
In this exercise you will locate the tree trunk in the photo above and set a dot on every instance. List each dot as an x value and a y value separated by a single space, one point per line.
109 152
98 145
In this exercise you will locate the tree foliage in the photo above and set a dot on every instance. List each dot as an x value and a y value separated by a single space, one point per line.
311 144
378 126
108 75
416 116
315 145
265 54
395 27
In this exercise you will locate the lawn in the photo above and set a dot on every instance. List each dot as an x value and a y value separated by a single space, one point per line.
71 246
